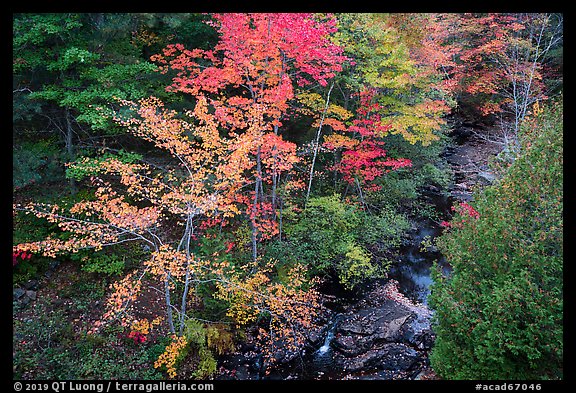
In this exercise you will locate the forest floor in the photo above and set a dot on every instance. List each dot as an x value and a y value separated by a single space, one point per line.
64 308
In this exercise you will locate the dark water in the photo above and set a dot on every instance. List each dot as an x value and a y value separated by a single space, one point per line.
320 364
413 270
413 273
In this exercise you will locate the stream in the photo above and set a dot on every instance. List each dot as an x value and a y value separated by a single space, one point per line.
412 272
383 331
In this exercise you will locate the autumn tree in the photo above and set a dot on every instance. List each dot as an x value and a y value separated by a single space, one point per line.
498 62
409 89
258 63
136 201
137 209
229 140
363 158
78 63
391 89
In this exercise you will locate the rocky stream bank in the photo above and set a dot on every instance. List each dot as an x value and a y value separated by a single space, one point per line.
385 331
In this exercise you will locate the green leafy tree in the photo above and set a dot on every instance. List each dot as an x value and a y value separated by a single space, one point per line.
324 237
70 70
75 64
499 313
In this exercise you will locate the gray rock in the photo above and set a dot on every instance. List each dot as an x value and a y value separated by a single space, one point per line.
347 345
31 285
366 361
283 356
31 295
462 196
382 337
486 178
393 356
239 366
418 333
358 332
54 265
18 293
379 375
315 335
399 357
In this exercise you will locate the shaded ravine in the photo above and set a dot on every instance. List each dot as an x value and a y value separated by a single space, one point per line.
387 335
381 332
321 362
384 331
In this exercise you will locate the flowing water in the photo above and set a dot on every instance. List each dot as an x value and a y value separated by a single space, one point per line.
413 270
325 348
321 363
413 273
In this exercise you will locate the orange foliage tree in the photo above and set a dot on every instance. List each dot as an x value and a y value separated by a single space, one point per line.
137 201
213 152
145 203
249 80
497 59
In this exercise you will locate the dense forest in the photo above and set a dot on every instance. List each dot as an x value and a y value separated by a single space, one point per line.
287 196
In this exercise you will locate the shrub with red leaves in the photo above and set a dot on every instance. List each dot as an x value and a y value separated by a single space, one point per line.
138 337
20 254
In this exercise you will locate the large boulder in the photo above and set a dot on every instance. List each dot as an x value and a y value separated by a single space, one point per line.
394 357
359 331
18 293
385 334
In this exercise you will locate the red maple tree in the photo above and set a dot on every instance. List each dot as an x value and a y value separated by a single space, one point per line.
249 80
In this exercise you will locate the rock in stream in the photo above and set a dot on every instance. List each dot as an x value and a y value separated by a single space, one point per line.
385 335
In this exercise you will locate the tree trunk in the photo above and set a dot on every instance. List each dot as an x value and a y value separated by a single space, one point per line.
280 221
257 190
274 179
187 236
316 144
360 192
168 304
